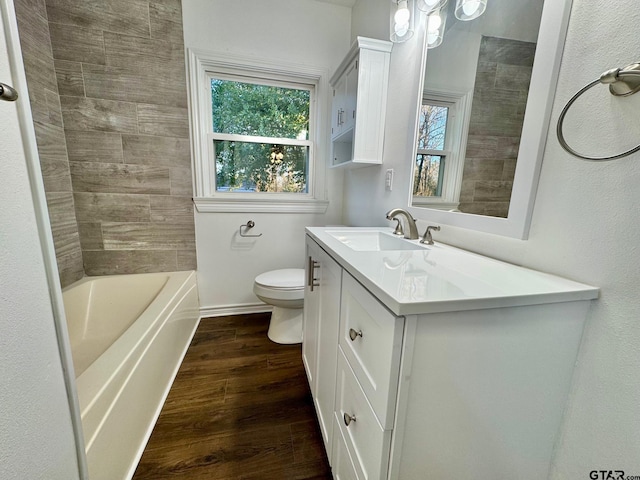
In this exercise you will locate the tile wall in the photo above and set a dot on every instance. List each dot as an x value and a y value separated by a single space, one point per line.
499 100
120 73
47 118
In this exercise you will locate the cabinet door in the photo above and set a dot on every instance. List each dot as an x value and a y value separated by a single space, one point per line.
329 290
320 334
311 314
351 96
338 107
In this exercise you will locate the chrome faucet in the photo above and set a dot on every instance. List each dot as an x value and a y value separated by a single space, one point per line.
412 231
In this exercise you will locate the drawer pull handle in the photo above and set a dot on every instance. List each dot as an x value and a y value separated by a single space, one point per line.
312 281
348 419
353 334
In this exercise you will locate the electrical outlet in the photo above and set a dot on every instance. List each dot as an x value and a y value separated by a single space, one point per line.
388 180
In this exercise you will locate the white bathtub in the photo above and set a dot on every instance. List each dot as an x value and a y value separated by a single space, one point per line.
128 336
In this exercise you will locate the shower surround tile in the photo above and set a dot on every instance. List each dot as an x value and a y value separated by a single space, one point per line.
80 113
37 54
125 16
76 44
69 78
116 178
121 148
154 150
112 207
171 209
166 20
499 101
93 146
163 121
117 262
117 83
148 236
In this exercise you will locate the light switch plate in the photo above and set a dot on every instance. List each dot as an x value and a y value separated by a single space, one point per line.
388 180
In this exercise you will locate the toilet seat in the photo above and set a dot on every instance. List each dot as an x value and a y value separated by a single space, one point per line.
286 284
285 279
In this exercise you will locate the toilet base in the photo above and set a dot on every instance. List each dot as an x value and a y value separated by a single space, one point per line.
286 325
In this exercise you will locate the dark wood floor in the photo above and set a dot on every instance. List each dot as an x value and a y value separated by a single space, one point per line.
240 408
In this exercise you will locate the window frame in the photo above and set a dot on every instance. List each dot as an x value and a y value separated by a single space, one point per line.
454 151
202 67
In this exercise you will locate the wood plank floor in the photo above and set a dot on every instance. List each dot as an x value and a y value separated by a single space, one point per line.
240 408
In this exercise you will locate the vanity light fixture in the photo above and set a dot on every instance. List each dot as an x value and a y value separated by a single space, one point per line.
435 28
470 9
402 20
429 6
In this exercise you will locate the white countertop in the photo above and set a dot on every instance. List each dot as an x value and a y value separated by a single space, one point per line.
441 278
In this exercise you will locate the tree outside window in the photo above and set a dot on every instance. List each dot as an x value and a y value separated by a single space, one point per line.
260 136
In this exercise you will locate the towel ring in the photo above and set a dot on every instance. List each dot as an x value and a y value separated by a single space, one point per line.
622 82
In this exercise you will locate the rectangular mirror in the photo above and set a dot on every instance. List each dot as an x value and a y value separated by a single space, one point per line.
483 114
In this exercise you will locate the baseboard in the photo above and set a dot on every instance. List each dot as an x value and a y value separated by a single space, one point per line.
234 310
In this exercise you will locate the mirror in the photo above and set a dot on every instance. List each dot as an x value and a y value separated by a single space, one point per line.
483 115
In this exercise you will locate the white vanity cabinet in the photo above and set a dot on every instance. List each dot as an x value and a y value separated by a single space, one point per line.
449 365
320 333
359 104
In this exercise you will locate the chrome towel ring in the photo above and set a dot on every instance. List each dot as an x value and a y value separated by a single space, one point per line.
622 82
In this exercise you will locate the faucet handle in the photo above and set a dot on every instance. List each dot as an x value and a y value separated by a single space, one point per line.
398 230
427 238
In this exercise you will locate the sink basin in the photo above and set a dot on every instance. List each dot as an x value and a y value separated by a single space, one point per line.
373 241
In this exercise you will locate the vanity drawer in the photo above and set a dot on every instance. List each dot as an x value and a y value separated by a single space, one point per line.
343 468
367 442
371 339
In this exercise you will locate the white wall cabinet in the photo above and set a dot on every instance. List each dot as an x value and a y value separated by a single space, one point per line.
359 104
464 393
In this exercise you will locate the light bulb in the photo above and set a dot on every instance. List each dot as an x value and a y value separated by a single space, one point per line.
432 37
429 6
402 15
401 29
434 23
470 7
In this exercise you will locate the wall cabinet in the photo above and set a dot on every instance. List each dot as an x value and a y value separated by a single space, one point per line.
359 104
461 393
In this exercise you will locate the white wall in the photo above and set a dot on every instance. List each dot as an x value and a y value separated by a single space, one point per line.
36 437
293 31
585 227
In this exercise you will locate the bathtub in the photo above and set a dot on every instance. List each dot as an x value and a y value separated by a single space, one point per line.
128 336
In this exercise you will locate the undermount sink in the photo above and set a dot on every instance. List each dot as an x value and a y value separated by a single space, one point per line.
373 241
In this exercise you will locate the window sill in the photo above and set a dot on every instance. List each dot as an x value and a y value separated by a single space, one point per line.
247 205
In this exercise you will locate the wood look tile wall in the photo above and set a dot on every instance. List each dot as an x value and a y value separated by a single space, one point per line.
47 118
499 100
116 133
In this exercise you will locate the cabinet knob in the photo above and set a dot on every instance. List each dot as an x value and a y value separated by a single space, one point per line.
348 419
353 334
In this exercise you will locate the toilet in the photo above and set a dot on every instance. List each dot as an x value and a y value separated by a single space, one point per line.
284 289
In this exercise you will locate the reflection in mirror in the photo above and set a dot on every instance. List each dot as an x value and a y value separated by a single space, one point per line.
476 84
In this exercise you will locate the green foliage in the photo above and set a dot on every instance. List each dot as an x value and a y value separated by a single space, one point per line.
260 110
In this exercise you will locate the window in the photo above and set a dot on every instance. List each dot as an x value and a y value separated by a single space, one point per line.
431 155
260 136
254 131
440 150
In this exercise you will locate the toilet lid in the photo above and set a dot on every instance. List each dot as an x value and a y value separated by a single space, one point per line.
286 279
